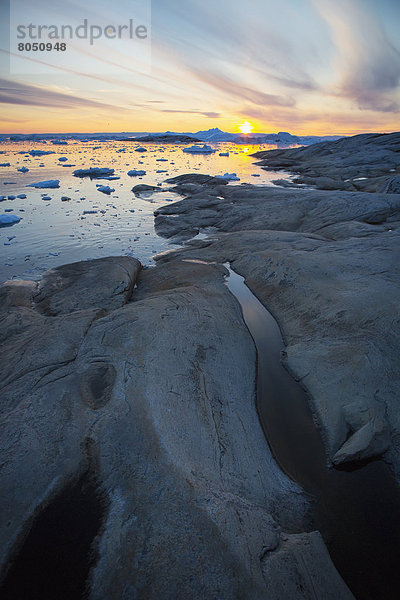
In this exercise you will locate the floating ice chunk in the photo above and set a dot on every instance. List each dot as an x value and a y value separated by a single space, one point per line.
23 169
111 177
59 142
228 177
93 172
141 149
63 159
11 197
51 183
105 189
255 174
135 173
22 196
2 198
224 153
46 197
8 220
90 212
162 160
199 149
40 152
65 198
5 165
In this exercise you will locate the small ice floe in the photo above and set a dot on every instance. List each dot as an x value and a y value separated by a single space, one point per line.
40 152
21 196
105 189
224 153
9 182
90 212
121 150
11 197
136 173
2 198
199 149
63 159
65 198
5 165
59 142
8 220
54 253
111 177
8 210
46 197
68 165
141 149
132 210
161 171
162 160
23 169
228 177
94 172
255 174
51 183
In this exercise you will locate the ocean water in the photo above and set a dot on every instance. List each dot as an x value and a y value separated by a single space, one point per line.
52 232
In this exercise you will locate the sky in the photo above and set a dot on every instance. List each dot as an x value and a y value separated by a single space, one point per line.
315 67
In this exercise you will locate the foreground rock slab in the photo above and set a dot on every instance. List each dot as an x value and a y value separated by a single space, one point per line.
150 394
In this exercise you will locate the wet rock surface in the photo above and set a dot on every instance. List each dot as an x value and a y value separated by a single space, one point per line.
368 162
326 265
151 392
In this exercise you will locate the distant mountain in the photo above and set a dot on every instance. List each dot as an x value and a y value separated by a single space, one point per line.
213 135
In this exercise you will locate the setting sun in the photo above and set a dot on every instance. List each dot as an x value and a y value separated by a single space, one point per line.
246 127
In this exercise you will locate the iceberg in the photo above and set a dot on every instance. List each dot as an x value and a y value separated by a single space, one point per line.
105 189
199 149
228 177
93 172
5 165
63 158
51 183
23 169
224 153
141 149
40 152
135 173
8 220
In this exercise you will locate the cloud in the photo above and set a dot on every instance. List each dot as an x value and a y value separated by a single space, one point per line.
209 115
243 92
367 63
12 92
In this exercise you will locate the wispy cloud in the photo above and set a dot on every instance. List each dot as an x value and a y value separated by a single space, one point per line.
237 90
12 92
367 63
208 114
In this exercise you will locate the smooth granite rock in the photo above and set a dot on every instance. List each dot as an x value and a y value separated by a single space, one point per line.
366 162
153 396
326 264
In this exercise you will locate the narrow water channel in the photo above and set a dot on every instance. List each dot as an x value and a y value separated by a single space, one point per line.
358 511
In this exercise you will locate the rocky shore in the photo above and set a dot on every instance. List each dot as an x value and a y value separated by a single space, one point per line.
143 383
368 162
